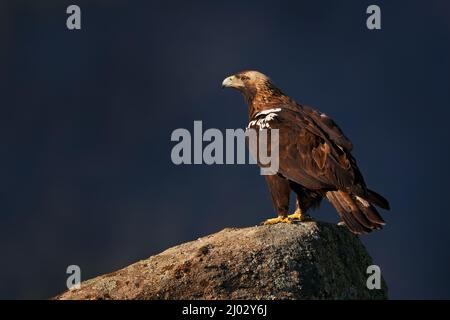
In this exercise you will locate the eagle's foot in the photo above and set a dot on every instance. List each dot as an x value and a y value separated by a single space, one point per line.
279 219
300 216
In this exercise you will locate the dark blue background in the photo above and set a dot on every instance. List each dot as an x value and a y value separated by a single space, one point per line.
86 118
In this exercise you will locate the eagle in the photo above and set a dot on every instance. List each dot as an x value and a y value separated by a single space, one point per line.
315 159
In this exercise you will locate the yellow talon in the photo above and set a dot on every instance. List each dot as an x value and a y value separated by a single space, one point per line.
298 215
279 219
295 216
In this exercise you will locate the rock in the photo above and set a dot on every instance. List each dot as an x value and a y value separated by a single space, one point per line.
303 261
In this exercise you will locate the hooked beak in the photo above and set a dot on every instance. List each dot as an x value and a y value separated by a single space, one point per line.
232 82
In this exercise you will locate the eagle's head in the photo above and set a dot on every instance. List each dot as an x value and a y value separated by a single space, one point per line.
246 80
253 85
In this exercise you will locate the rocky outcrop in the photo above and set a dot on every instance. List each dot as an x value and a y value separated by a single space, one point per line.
303 261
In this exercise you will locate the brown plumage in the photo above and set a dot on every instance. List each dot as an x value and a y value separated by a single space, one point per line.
315 158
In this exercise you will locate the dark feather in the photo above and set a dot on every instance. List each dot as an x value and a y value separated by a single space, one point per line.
377 199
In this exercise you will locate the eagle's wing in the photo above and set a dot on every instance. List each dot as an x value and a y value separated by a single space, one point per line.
310 157
329 127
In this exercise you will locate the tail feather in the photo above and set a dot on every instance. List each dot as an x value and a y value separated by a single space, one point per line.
354 207
345 214
359 214
370 212
378 200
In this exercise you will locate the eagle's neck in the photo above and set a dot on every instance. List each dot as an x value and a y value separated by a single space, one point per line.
263 97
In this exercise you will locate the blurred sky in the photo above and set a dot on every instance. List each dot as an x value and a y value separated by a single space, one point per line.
86 118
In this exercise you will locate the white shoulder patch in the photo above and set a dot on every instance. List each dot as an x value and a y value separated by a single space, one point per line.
264 122
267 111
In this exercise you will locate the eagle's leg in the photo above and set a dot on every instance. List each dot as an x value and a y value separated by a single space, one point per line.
299 215
280 191
305 199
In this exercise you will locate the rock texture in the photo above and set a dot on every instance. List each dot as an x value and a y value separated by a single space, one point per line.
304 261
